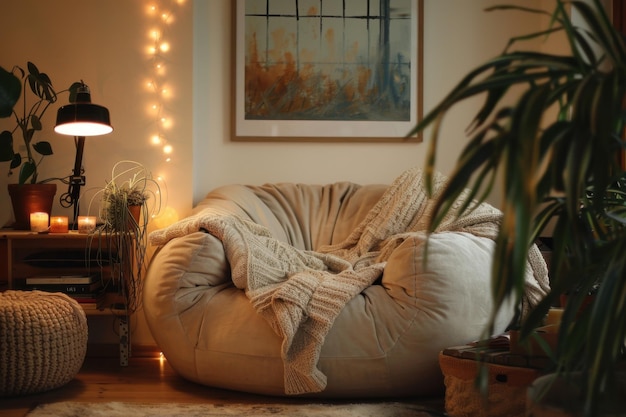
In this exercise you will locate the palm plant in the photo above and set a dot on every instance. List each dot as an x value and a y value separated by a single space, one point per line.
559 153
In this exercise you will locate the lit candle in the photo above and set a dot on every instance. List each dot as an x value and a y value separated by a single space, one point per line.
86 224
39 221
554 316
58 224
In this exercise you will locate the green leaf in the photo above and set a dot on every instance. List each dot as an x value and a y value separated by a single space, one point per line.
6 146
27 171
43 148
40 84
35 122
10 89
17 161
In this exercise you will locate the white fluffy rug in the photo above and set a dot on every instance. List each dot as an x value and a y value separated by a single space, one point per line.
118 409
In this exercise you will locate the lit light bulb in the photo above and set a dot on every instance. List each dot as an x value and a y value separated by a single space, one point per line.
166 217
156 84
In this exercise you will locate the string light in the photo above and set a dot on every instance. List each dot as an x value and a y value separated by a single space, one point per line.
162 14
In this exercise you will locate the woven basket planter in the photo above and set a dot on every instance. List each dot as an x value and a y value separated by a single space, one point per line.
43 341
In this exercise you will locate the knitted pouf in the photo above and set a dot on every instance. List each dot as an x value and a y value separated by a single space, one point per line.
43 341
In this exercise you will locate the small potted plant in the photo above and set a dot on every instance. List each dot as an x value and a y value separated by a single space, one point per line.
31 193
126 204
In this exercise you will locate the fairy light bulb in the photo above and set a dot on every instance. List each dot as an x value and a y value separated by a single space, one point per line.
162 15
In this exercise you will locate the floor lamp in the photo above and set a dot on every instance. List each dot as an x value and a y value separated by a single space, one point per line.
80 118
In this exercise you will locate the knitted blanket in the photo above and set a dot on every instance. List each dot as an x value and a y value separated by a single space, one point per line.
300 293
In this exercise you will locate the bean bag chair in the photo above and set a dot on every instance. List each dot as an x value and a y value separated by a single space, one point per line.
330 291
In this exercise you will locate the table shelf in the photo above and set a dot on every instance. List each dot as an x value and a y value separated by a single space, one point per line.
25 254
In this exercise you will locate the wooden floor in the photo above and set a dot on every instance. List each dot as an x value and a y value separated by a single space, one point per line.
144 380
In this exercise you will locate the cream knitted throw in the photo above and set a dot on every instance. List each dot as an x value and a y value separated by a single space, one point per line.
300 293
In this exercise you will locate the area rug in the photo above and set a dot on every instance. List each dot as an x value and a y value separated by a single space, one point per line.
119 409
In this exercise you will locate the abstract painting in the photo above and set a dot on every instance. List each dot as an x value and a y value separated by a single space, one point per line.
333 70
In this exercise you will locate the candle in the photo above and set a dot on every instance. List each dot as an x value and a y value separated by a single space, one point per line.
58 224
86 224
554 316
39 221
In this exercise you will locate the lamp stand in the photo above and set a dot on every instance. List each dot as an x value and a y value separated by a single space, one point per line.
76 180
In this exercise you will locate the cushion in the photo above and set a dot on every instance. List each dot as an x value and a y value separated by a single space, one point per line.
43 341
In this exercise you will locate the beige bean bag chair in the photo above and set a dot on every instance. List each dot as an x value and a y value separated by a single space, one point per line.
292 289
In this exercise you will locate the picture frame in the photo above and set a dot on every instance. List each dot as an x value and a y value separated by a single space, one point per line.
351 72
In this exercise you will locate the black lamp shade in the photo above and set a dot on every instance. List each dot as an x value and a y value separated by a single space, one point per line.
80 118
83 119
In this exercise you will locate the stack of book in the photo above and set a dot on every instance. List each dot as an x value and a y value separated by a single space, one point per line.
86 289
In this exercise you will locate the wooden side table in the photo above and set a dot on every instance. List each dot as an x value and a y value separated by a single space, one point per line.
25 254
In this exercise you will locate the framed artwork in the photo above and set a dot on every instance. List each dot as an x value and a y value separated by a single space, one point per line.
327 70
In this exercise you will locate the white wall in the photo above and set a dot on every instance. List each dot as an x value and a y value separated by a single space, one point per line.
458 34
104 43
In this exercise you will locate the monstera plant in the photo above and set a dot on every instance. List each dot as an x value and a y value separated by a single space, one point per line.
558 151
28 122
37 93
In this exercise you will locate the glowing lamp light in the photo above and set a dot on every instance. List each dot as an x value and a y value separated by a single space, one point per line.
83 118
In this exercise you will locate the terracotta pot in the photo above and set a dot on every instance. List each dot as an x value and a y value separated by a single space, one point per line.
135 212
29 198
